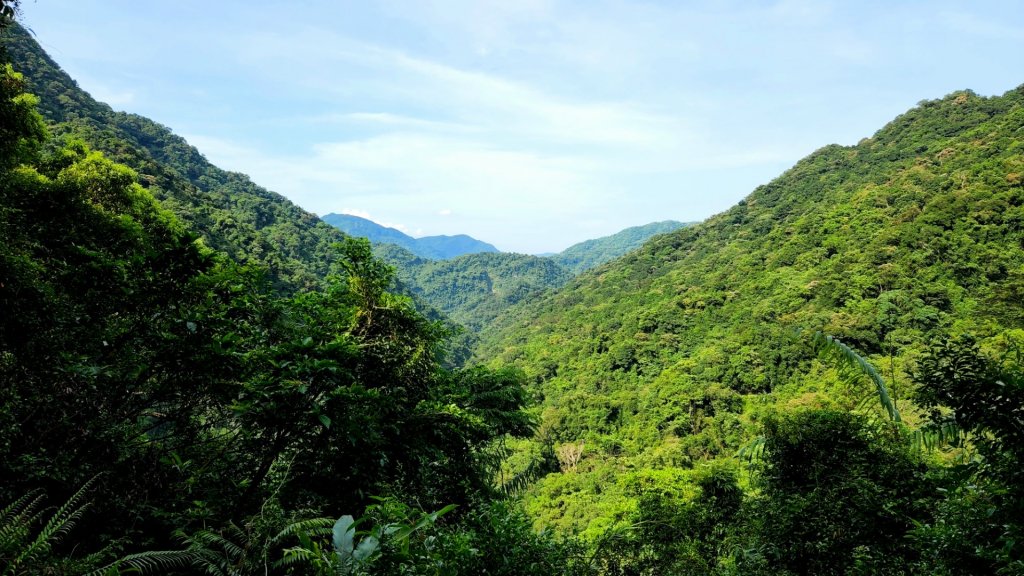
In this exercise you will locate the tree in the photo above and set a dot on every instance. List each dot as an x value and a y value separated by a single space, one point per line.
978 527
838 495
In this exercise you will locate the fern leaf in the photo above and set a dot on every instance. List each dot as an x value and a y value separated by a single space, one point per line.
19 517
15 509
152 561
312 526
209 540
59 524
936 435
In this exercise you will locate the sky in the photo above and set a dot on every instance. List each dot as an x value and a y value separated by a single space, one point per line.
529 124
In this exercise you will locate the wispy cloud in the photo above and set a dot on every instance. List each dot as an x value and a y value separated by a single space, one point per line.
534 123
356 212
385 120
366 215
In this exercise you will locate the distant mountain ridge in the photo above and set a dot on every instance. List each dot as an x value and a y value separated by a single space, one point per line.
432 247
589 254
476 283
473 289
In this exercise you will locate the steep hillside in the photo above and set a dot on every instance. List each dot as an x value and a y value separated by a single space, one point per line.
591 253
474 288
433 247
671 356
155 394
230 212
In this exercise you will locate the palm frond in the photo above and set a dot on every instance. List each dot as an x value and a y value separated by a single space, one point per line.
825 343
937 435
752 451
523 480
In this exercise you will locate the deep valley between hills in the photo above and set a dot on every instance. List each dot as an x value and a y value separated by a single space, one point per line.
199 376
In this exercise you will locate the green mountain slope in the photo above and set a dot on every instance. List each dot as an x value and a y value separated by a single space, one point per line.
152 392
474 288
230 212
591 253
670 356
434 247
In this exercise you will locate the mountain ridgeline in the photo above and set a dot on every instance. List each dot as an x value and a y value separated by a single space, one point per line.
826 379
431 247
234 404
231 213
473 289
675 355
470 281
589 254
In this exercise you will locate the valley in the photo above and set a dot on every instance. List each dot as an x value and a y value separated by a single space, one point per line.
197 375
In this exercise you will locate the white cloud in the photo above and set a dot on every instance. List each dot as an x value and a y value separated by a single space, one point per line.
355 212
544 112
450 97
394 121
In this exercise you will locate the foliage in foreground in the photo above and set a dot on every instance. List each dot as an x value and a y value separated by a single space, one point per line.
196 394
217 415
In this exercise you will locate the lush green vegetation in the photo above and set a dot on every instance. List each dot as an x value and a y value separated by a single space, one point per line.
180 395
678 354
473 289
164 395
231 213
430 247
592 253
469 281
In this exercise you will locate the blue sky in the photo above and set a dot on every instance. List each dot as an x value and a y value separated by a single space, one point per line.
530 124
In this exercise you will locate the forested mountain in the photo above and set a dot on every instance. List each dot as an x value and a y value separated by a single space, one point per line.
474 288
230 212
156 392
432 247
363 228
591 253
679 353
196 376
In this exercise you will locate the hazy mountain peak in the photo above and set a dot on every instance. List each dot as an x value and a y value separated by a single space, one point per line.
433 247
